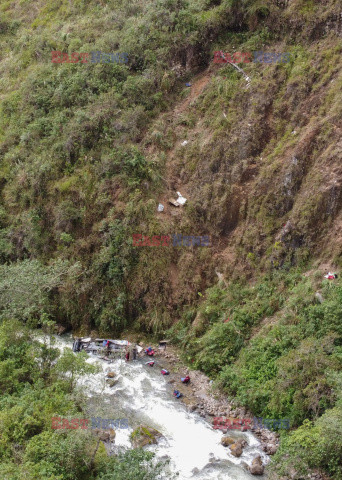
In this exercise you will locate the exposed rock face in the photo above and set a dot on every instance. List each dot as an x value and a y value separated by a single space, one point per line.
257 467
226 441
143 436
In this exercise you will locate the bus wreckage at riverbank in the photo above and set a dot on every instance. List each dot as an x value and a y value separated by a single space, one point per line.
102 346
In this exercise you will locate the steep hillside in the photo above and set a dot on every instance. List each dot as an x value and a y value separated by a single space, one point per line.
88 151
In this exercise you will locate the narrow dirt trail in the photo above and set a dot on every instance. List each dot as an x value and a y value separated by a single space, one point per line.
195 91
172 183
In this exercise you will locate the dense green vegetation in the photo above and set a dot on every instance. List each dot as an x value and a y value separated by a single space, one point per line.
37 384
84 148
87 151
287 366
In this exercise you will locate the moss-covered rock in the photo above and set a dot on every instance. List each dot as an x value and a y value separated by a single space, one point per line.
111 381
143 436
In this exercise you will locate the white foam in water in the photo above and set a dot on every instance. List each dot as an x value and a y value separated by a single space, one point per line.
143 396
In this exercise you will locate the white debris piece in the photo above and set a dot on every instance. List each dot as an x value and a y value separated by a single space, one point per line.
160 207
181 200
184 143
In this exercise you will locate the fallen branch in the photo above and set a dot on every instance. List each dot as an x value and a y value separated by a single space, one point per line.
235 66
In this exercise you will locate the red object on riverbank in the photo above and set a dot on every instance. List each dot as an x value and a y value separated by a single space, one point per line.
149 352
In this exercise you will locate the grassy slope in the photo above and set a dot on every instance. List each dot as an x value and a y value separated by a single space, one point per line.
275 349
88 151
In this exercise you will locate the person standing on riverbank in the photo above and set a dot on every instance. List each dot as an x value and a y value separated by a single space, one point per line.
134 352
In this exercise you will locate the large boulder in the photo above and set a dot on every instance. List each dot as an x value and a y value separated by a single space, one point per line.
257 467
143 436
242 442
226 441
236 449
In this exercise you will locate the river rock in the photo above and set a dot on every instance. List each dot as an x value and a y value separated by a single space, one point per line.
270 449
236 449
242 442
213 459
111 382
143 436
226 441
105 435
164 458
111 374
257 467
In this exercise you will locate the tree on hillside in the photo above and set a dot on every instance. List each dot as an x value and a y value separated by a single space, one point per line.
25 287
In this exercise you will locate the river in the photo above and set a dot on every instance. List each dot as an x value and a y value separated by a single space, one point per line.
143 396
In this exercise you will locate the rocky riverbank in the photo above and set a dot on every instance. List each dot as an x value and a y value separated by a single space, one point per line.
199 396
